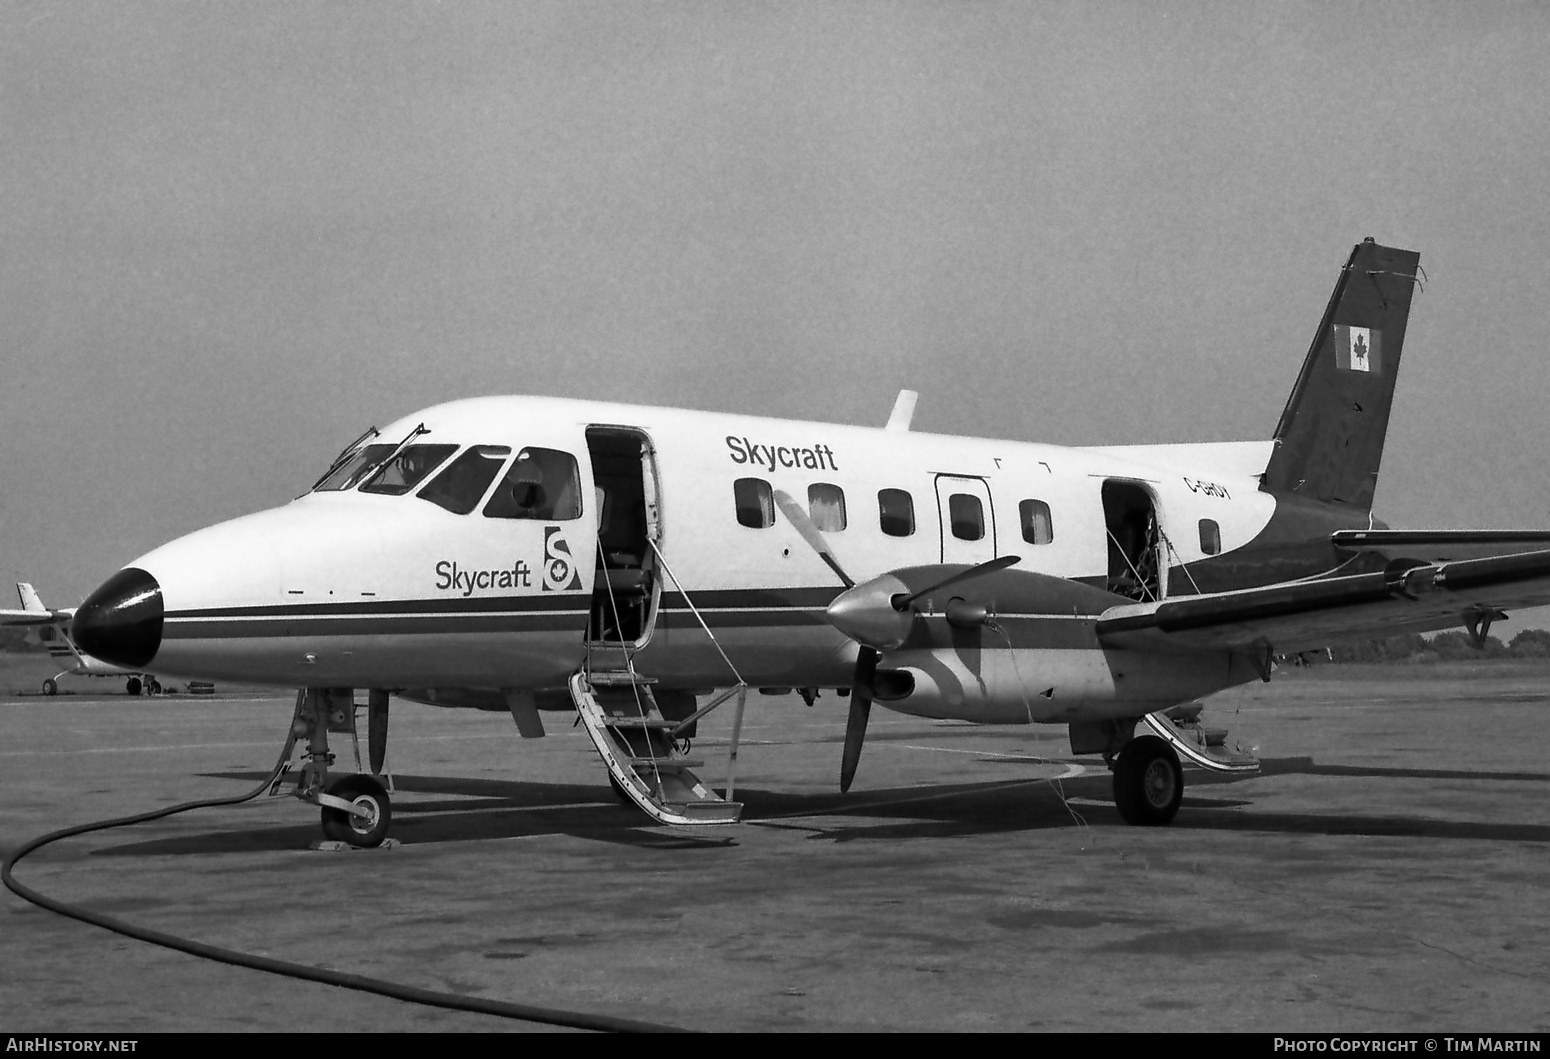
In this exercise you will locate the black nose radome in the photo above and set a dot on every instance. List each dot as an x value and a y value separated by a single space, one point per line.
121 621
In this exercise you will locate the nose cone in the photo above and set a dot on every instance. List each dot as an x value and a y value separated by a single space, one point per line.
121 621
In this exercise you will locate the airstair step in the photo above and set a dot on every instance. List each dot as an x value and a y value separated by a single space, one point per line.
707 810
614 678
633 741
665 764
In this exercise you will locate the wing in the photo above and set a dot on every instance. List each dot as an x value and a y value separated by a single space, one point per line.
1441 546
1303 615
33 611
36 617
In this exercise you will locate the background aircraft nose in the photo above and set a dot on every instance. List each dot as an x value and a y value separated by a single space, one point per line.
121 621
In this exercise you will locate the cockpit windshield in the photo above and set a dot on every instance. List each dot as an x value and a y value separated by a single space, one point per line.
348 473
407 469
352 466
462 485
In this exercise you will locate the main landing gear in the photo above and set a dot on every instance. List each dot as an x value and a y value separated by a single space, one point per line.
356 808
1148 778
1148 782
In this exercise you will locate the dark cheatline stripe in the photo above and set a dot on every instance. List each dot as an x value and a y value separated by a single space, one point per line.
394 625
567 613
547 601
747 598
722 619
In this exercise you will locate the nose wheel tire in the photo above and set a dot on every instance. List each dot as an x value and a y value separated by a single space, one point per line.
1148 782
365 832
50 687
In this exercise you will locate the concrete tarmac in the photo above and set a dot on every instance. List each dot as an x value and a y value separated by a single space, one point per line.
1388 871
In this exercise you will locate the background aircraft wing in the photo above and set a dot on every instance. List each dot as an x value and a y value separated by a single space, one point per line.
1441 546
1305 615
33 611
36 617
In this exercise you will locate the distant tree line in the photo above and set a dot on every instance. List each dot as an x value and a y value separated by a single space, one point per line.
14 638
1456 646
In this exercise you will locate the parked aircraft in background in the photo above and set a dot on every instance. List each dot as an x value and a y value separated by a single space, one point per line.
52 629
532 554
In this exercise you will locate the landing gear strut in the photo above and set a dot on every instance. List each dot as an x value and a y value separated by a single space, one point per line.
356 808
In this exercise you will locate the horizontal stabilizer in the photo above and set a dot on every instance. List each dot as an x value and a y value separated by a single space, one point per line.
1304 615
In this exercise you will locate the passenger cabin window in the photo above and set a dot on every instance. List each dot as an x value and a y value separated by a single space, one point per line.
1037 527
408 469
896 512
348 474
967 516
827 503
461 486
1210 536
541 484
755 505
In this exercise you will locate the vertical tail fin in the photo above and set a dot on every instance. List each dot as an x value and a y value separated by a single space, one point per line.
1330 439
29 598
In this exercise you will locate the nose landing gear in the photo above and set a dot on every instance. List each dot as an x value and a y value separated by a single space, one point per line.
356 808
365 823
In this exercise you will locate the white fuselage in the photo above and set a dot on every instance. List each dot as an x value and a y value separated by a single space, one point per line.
353 589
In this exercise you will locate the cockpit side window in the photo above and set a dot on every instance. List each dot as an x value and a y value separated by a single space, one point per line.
541 484
461 486
408 469
349 473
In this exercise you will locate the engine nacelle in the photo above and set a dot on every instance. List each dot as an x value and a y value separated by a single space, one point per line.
1047 685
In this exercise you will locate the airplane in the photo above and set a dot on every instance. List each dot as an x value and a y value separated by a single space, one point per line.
52 629
640 566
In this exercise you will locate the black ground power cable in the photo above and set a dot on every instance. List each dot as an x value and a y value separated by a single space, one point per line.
360 983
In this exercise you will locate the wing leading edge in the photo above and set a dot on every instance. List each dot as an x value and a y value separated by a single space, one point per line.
1304 615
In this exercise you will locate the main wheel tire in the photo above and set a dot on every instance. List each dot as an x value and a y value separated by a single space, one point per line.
132 685
50 687
364 791
1148 782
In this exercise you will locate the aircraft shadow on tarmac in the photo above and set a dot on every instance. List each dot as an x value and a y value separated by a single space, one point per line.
470 809
486 810
970 809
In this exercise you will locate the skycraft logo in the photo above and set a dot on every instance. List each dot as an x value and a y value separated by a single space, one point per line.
560 573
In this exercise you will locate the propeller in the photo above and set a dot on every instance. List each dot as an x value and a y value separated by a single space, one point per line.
376 728
860 713
878 614
866 659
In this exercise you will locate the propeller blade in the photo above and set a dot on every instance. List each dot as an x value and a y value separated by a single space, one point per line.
987 567
376 728
860 711
793 511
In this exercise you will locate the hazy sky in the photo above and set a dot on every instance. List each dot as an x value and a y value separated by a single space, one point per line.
232 236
